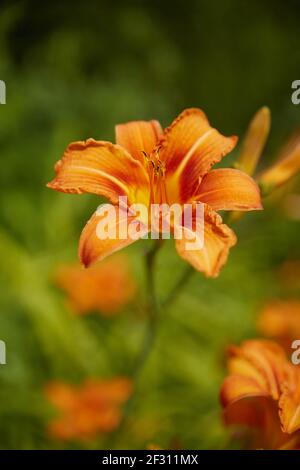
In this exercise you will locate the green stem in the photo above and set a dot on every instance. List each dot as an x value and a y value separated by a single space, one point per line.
175 291
152 308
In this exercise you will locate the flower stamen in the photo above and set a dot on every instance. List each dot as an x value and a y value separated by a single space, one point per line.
156 170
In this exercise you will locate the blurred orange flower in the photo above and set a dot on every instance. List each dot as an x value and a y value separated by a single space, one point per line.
254 141
262 395
88 410
149 165
286 165
105 288
280 320
252 147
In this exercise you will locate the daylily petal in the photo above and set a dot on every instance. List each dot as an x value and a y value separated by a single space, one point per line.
237 387
61 395
242 367
289 403
262 390
285 167
138 137
258 421
254 141
94 247
261 360
218 239
292 444
189 148
228 189
281 320
114 391
104 288
97 408
251 411
101 168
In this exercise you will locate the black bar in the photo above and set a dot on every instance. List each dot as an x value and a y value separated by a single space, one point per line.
139 458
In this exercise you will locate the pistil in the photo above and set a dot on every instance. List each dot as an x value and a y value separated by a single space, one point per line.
156 171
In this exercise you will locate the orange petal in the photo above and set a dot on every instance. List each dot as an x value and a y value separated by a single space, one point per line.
105 420
101 168
252 411
105 287
285 167
113 391
244 367
289 403
218 239
61 395
262 386
62 429
138 137
281 320
258 421
189 148
291 444
261 360
228 189
93 247
237 387
254 141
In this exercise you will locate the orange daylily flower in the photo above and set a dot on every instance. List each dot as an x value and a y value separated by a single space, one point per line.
262 395
280 320
88 410
149 165
104 288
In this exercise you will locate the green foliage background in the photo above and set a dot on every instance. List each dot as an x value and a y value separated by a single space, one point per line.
73 70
